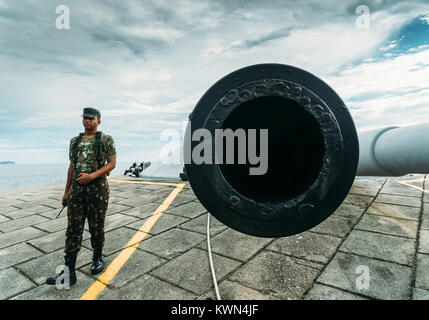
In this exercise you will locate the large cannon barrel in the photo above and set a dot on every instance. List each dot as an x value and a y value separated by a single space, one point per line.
394 151
308 147
305 138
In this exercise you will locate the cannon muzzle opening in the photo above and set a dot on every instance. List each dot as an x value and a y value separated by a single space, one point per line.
298 129
295 152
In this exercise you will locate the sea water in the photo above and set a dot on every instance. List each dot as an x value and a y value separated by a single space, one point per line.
14 176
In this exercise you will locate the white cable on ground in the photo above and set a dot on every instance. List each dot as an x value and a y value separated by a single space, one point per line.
211 258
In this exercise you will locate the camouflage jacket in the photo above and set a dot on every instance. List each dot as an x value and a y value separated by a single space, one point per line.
86 154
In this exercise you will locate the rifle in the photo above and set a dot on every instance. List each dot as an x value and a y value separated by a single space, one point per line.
65 205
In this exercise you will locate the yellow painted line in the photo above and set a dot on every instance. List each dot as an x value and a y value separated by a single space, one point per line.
145 182
411 186
110 272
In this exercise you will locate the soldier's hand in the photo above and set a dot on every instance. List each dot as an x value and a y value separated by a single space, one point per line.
65 197
84 178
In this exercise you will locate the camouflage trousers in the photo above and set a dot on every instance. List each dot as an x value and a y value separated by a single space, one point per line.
86 202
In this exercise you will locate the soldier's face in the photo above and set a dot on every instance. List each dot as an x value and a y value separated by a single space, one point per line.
91 123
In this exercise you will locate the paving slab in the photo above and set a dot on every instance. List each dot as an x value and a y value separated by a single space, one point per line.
12 283
369 183
425 210
115 197
424 242
358 200
142 211
37 195
425 223
21 213
163 192
45 266
20 223
7 210
364 191
18 236
308 246
158 187
420 294
191 270
115 208
54 241
394 211
16 254
387 225
28 205
426 196
147 288
53 204
117 220
53 225
277 274
386 280
114 240
183 198
38 209
338 226
380 246
190 209
171 244
229 290
396 188
47 292
422 271
236 245
52 214
142 199
164 223
403 200
347 210
7 200
199 224
140 263
323 292
4 219
136 191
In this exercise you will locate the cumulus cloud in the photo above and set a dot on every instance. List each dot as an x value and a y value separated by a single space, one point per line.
145 64
387 92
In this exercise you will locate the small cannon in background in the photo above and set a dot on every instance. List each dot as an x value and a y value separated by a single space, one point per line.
314 151
136 170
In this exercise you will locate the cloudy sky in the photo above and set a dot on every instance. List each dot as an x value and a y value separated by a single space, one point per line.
145 64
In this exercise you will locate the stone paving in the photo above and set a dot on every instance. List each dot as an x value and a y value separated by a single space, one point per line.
375 246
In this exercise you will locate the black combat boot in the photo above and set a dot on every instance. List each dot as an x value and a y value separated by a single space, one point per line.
70 262
97 262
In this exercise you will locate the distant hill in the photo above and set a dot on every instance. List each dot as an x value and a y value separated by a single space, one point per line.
7 162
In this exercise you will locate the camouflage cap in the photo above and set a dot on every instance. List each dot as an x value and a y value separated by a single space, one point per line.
91 113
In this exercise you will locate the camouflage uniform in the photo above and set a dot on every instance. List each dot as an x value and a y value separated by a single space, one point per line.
88 200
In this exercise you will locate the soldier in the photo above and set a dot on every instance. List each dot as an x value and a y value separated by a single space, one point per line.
92 156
